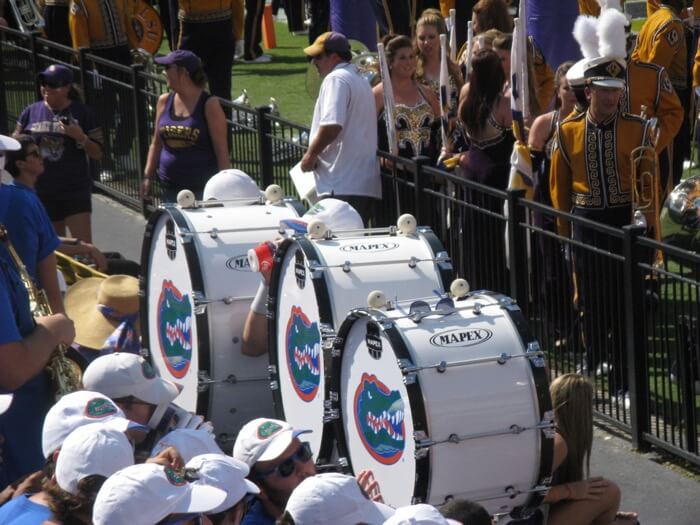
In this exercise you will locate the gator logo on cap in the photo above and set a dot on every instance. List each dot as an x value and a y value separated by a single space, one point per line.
303 341
99 408
147 370
379 419
175 329
175 477
268 429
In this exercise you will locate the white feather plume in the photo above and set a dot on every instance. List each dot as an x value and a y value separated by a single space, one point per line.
610 4
611 34
585 33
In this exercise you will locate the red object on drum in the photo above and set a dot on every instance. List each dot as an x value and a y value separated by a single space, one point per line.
264 253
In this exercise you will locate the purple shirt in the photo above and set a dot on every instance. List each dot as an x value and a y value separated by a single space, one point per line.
66 174
187 159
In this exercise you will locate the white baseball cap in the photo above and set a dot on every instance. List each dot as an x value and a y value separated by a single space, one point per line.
263 439
89 450
123 374
76 410
9 143
334 498
225 473
421 514
189 442
146 493
5 402
231 184
335 214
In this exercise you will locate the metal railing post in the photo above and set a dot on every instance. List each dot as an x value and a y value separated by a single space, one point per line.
35 62
4 124
418 183
138 85
517 248
264 145
635 335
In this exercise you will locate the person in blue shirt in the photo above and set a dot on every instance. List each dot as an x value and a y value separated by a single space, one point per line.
25 347
28 225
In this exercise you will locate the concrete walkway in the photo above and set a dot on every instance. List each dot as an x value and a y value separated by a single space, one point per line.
662 495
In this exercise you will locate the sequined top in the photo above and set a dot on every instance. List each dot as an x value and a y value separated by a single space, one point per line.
414 129
434 85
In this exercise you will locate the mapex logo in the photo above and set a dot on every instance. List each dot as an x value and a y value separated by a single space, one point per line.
239 263
370 247
458 337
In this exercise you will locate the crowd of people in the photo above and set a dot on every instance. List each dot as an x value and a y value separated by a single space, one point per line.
121 450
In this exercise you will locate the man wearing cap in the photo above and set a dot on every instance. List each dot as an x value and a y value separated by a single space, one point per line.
343 138
132 383
278 462
591 177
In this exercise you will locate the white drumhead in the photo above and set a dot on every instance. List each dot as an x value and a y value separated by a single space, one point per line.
299 355
376 413
171 320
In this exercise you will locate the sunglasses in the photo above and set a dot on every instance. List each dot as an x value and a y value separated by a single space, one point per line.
287 467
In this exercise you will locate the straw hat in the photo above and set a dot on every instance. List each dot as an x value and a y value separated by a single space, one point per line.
118 292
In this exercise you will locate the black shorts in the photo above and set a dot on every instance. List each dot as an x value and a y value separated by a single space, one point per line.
58 210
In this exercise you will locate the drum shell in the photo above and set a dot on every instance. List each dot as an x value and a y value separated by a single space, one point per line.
377 261
466 400
210 264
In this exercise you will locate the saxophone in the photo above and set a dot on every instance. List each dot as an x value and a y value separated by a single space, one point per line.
64 373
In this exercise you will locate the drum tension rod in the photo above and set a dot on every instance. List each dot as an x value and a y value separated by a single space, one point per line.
511 492
455 438
407 367
347 265
204 381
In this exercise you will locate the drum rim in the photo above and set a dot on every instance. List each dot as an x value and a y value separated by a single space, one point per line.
416 400
197 282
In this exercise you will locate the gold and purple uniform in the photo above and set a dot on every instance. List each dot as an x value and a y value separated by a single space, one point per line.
198 11
589 7
101 24
648 85
662 41
591 170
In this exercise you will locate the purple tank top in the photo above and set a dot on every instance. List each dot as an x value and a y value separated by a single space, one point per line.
187 159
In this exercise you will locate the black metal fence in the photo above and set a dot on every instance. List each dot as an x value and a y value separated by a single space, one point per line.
629 318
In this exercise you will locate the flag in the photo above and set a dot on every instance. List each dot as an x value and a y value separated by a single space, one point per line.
388 101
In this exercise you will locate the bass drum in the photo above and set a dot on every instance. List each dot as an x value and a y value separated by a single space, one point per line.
314 284
194 302
444 399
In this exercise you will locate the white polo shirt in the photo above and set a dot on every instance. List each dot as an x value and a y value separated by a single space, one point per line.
349 165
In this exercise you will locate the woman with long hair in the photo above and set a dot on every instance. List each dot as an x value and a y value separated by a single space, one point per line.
575 498
491 14
430 26
486 116
189 142
416 107
67 135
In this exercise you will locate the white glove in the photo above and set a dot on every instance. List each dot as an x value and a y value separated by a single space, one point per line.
238 49
184 419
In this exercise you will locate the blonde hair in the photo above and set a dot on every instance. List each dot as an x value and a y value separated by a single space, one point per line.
572 400
433 17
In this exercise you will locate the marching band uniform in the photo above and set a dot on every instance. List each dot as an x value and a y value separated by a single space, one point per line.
589 7
648 85
210 28
55 15
103 26
253 29
591 177
662 41
397 17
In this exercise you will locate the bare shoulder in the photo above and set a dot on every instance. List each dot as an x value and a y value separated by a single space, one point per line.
540 130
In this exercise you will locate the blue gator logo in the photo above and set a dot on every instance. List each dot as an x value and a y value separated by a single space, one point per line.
175 329
379 417
303 341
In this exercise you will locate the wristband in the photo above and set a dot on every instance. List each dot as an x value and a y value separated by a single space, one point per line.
259 304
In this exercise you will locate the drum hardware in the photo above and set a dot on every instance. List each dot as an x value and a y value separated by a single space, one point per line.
347 265
456 439
408 368
511 492
187 234
204 381
535 354
28 15
201 302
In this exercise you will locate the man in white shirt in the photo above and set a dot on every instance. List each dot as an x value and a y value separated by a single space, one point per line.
342 151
